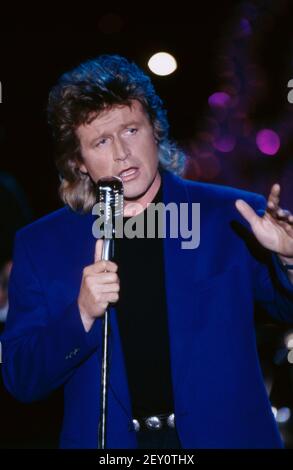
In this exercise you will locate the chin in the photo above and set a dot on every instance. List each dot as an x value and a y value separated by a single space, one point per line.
134 193
132 196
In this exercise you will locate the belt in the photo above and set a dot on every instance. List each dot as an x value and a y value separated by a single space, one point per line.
154 423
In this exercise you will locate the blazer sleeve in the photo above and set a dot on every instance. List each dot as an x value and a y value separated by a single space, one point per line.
273 289
40 352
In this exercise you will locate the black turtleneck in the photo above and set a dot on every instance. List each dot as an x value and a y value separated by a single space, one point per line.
143 322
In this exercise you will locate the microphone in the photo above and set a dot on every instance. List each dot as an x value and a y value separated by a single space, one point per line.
110 199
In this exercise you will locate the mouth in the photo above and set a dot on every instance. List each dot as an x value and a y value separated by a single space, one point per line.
129 174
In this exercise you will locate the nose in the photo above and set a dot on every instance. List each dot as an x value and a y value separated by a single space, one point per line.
120 151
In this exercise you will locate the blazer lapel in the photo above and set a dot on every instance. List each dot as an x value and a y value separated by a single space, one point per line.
180 271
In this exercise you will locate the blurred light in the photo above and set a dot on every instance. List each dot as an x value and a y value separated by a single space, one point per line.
289 341
283 415
268 141
290 356
245 26
225 143
162 64
275 411
220 99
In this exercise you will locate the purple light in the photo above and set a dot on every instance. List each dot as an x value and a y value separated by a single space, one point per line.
245 26
268 141
220 99
225 144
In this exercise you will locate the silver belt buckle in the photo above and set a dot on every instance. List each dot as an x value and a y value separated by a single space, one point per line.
153 422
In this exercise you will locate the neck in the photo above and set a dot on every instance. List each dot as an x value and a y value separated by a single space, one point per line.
133 208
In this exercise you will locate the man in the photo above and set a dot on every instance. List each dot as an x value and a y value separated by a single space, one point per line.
182 339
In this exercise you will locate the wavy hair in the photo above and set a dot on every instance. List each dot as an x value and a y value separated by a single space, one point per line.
78 97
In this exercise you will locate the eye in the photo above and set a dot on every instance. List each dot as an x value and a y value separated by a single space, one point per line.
132 130
101 142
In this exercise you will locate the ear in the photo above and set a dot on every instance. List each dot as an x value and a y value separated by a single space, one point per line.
155 136
83 169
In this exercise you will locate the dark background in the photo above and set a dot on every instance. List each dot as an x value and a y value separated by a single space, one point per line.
213 53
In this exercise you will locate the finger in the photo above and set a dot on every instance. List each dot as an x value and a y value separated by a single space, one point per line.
246 211
114 297
286 227
274 196
275 191
107 297
106 288
283 213
98 250
272 206
107 278
97 271
104 265
284 224
100 267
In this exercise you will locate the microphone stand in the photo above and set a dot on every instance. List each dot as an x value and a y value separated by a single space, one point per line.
108 246
110 191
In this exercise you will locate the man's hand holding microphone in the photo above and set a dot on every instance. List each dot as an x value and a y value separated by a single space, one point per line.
100 286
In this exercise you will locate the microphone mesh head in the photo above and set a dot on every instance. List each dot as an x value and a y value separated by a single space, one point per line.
110 198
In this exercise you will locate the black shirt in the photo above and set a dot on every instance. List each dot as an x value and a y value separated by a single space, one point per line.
143 322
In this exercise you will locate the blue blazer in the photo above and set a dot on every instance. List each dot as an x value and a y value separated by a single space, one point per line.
219 394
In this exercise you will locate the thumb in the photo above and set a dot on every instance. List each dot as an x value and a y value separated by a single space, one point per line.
98 249
246 211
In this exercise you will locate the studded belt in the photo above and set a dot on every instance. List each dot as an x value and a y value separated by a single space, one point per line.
154 423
